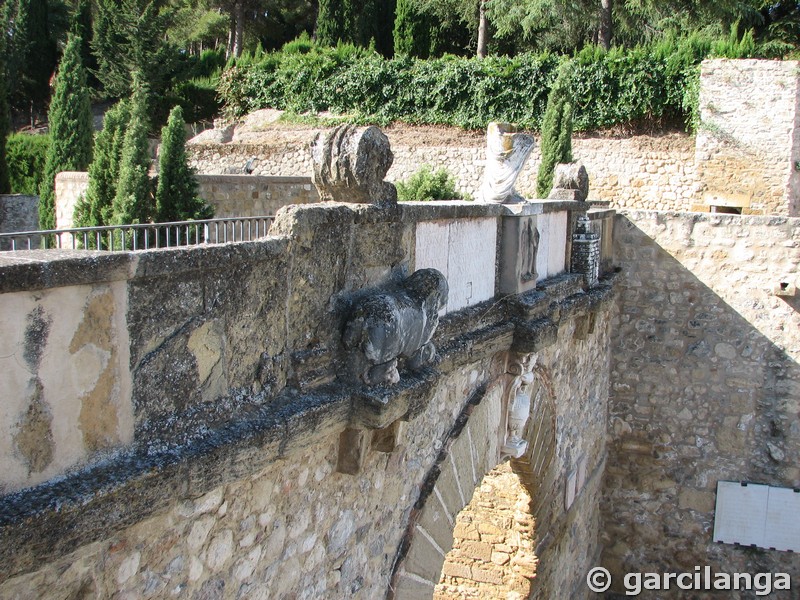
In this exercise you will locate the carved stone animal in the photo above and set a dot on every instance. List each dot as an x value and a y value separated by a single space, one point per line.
398 323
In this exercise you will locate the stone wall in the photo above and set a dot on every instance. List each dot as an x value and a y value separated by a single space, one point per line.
18 213
229 195
203 404
704 385
748 142
638 172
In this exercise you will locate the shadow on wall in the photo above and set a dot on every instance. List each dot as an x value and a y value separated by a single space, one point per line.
703 388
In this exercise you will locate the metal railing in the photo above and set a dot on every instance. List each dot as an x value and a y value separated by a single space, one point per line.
144 236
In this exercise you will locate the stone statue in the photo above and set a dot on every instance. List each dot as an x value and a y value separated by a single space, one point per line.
350 164
518 404
506 153
570 182
396 323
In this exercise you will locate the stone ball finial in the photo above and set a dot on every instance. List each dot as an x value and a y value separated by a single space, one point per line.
350 164
506 153
570 182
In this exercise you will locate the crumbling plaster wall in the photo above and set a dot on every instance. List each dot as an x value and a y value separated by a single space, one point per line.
705 385
226 484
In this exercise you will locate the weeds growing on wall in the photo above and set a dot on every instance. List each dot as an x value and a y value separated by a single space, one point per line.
654 85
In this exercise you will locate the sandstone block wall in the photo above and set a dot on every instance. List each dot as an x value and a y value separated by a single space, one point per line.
748 142
705 385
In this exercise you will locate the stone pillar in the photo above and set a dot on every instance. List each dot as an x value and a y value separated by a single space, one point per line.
585 257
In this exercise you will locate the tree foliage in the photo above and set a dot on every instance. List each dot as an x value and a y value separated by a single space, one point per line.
133 201
5 113
26 155
94 208
130 37
556 139
177 196
70 121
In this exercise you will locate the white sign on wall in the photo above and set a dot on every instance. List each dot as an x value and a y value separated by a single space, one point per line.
757 515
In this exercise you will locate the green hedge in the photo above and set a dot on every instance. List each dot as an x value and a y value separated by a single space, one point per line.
26 156
652 86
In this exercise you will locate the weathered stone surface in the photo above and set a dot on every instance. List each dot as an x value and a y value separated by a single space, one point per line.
18 213
506 153
570 177
350 165
704 379
385 326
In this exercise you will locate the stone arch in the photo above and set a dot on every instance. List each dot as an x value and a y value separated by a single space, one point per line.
482 438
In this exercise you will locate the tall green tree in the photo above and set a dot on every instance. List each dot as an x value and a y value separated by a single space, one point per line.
5 115
34 53
556 131
412 30
70 120
94 208
130 37
331 22
177 196
133 201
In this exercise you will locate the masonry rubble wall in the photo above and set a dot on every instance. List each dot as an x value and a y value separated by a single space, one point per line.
179 414
705 385
229 195
638 172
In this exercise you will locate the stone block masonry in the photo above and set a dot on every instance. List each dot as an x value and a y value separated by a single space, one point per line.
638 172
748 140
229 195
175 425
705 385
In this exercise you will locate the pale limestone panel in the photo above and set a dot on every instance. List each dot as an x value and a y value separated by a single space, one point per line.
471 262
557 244
544 223
432 246
53 418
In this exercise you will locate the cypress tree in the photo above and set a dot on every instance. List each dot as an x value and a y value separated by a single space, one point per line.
176 193
5 115
412 32
330 26
70 120
94 209
556 131
35 51
133 200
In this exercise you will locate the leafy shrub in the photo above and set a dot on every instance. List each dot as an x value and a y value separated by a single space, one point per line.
426 184
646 85
26 155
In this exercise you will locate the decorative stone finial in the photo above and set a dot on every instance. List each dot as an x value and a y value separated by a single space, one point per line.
350 164
570 182
506 153
396 323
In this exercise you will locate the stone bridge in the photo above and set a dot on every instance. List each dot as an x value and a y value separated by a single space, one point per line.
183 421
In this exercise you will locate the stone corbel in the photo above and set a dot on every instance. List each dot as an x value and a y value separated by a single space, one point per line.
517 403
